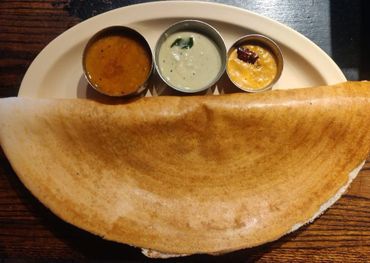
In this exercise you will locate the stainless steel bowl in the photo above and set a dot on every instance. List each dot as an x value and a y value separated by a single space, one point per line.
117 30
198 27
267 43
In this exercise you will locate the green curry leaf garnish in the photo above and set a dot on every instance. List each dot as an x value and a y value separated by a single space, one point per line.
183 43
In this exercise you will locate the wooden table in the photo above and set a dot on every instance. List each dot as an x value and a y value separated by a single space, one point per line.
29 231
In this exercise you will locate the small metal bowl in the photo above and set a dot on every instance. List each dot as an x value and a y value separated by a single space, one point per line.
118 31
199 27
266 43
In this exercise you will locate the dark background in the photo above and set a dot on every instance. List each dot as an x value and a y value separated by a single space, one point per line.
28 231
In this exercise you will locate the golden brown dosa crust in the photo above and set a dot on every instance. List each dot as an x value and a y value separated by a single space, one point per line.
189 174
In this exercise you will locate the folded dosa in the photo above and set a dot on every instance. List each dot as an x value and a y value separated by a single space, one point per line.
185 175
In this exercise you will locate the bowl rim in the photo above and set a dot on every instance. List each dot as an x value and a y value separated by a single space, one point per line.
184 25
264 41
110 30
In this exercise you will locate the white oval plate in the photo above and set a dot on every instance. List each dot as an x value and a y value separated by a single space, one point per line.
57 70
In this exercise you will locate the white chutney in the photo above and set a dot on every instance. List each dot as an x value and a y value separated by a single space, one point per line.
189 67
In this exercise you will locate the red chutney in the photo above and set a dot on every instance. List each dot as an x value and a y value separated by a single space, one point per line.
118 64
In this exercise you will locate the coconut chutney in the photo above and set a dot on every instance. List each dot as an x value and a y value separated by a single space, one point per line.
189 60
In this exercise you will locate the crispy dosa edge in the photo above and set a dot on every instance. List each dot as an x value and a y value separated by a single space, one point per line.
349 93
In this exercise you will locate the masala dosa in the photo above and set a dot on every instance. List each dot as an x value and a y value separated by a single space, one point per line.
185 175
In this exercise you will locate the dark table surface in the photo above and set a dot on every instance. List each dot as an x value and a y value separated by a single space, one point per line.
29 231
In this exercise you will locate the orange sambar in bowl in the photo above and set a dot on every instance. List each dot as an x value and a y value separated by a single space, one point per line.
117 61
